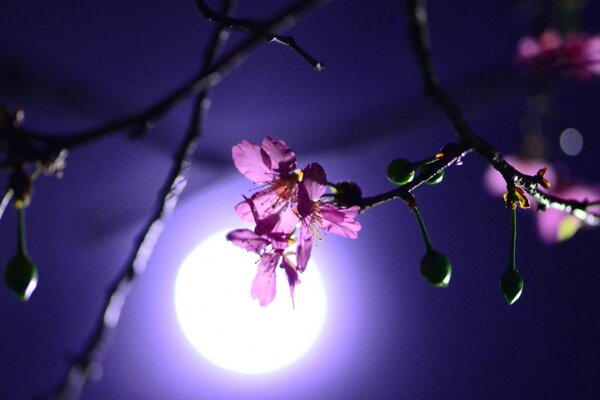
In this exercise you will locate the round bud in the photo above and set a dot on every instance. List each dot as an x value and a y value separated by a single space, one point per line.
437 178
21 276
511 285
400 171
347 193
436 268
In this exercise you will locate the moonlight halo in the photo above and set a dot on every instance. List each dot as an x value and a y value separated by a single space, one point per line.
230 329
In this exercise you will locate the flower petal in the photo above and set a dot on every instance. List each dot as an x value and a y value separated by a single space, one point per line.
252 161
304 248
292 276
314 181
277 227
246 239
283 159
264 284
340 220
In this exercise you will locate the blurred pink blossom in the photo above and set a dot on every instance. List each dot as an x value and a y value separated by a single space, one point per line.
495 183
575 55
553 225
556 226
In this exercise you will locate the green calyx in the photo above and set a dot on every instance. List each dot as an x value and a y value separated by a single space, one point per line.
436 268
400 171
511 285
21 276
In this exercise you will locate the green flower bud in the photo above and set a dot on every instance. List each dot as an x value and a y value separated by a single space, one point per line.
511 284
436 268
21 276
437 178
400 171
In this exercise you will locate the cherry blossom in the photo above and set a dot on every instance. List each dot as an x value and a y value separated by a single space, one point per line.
272 253
574 55
271 165
288 201
317 216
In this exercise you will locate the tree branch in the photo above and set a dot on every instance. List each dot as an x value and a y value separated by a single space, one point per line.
252 26
88 362
419 37
202 81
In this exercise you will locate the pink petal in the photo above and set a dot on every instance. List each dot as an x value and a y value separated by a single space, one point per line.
340 220
246 239
252 161
305 203
551 225
314 181
264 284
288 220
276 226
283 159
304 248
243 211
528 48
266 203
292 276
550 40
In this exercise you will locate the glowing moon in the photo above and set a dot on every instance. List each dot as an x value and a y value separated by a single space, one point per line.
230 329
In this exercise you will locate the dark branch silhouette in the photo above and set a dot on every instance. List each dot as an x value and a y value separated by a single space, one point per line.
253 26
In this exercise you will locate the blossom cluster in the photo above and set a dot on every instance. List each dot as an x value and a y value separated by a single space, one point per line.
552 225
288 211
573 55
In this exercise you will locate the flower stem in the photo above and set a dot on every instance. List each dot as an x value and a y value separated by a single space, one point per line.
428 244
426 161
21 241
513 241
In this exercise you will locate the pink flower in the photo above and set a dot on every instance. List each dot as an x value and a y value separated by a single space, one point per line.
288 198
271 165
271 254
575 55
317 216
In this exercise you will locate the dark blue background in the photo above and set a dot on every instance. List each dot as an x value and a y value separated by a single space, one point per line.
74 64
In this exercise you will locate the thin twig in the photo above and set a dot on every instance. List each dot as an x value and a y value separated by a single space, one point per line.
252 26
85 365
200 82
452 156
419 37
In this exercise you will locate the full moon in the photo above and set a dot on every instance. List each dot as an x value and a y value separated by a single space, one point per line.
229 328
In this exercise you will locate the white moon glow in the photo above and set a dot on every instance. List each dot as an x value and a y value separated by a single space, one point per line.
230 329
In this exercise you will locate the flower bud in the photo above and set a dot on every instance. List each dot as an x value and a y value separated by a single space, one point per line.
400 171
511 285
436 268
347 193
437 178
21 276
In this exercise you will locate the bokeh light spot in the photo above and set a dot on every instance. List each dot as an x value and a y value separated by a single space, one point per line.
571 141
